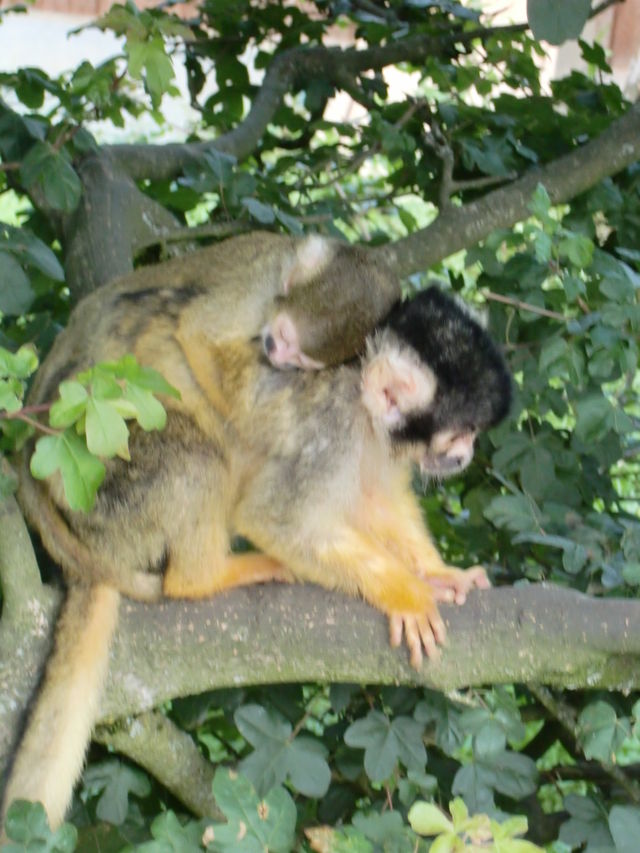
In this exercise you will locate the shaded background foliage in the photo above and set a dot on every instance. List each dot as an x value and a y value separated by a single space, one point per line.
553 494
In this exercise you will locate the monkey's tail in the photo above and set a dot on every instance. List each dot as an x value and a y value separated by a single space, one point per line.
43 514
50 755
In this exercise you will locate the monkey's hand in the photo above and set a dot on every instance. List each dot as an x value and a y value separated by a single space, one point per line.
452 585
420 632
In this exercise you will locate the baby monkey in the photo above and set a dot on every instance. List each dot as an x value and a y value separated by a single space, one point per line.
324 319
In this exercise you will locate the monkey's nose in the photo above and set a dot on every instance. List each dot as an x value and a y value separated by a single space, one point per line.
268 343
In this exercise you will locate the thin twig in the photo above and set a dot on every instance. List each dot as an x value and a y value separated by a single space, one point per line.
20 416
524 306
566 716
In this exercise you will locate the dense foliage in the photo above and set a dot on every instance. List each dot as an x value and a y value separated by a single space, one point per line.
554 492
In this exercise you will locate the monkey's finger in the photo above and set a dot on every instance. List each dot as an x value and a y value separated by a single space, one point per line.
443 594
395 630
414 640
478 577
428 638
438 627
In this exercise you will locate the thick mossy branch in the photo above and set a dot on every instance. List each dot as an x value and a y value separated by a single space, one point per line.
113 221
29 610
169 754
279 633
304 633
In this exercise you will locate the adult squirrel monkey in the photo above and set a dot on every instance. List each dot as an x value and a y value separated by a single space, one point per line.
312 467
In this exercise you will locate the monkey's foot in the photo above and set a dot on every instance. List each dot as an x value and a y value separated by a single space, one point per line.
452 585
421 632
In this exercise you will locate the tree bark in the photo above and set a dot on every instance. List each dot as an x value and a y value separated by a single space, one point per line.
278 633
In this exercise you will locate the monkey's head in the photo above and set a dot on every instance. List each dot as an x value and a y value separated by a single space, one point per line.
434 379
332 297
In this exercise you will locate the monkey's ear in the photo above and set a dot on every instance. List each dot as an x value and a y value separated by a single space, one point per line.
394 383
313 254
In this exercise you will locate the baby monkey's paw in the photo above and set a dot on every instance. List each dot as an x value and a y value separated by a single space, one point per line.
452 585
421 632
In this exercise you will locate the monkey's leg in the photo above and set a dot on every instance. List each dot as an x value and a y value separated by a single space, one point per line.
247 569
50 755
236 570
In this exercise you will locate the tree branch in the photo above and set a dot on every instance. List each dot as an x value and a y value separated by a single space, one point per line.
462 227
333 64
277 633
169 754
113 221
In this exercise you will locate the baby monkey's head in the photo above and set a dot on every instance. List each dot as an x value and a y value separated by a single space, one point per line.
333 294
434 379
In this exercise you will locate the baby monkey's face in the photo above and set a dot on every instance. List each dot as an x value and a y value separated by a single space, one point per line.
282 345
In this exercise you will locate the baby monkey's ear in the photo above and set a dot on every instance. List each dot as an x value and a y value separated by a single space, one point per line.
312 255
395 382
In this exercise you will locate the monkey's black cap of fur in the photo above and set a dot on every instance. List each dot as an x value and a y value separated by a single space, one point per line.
474 385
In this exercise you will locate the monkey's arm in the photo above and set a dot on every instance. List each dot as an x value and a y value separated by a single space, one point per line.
396 519
353 561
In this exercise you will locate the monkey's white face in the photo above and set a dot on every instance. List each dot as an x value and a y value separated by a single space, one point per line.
449 452
281 345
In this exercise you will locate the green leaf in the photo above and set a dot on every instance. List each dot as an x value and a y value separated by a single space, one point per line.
387 831
144 377
588 823
148 60
172 836
149 412
437 709
594 418
540 204
276 756
106 430
428 819
307 767
624 823
510 773
385 742
537 473
10 395
557 22
516 513
16 294
631 573
81 472
27 824
254 825
116 781
20 364
71 405
577 249
55 176
32 251
601 732
543 246
262 212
